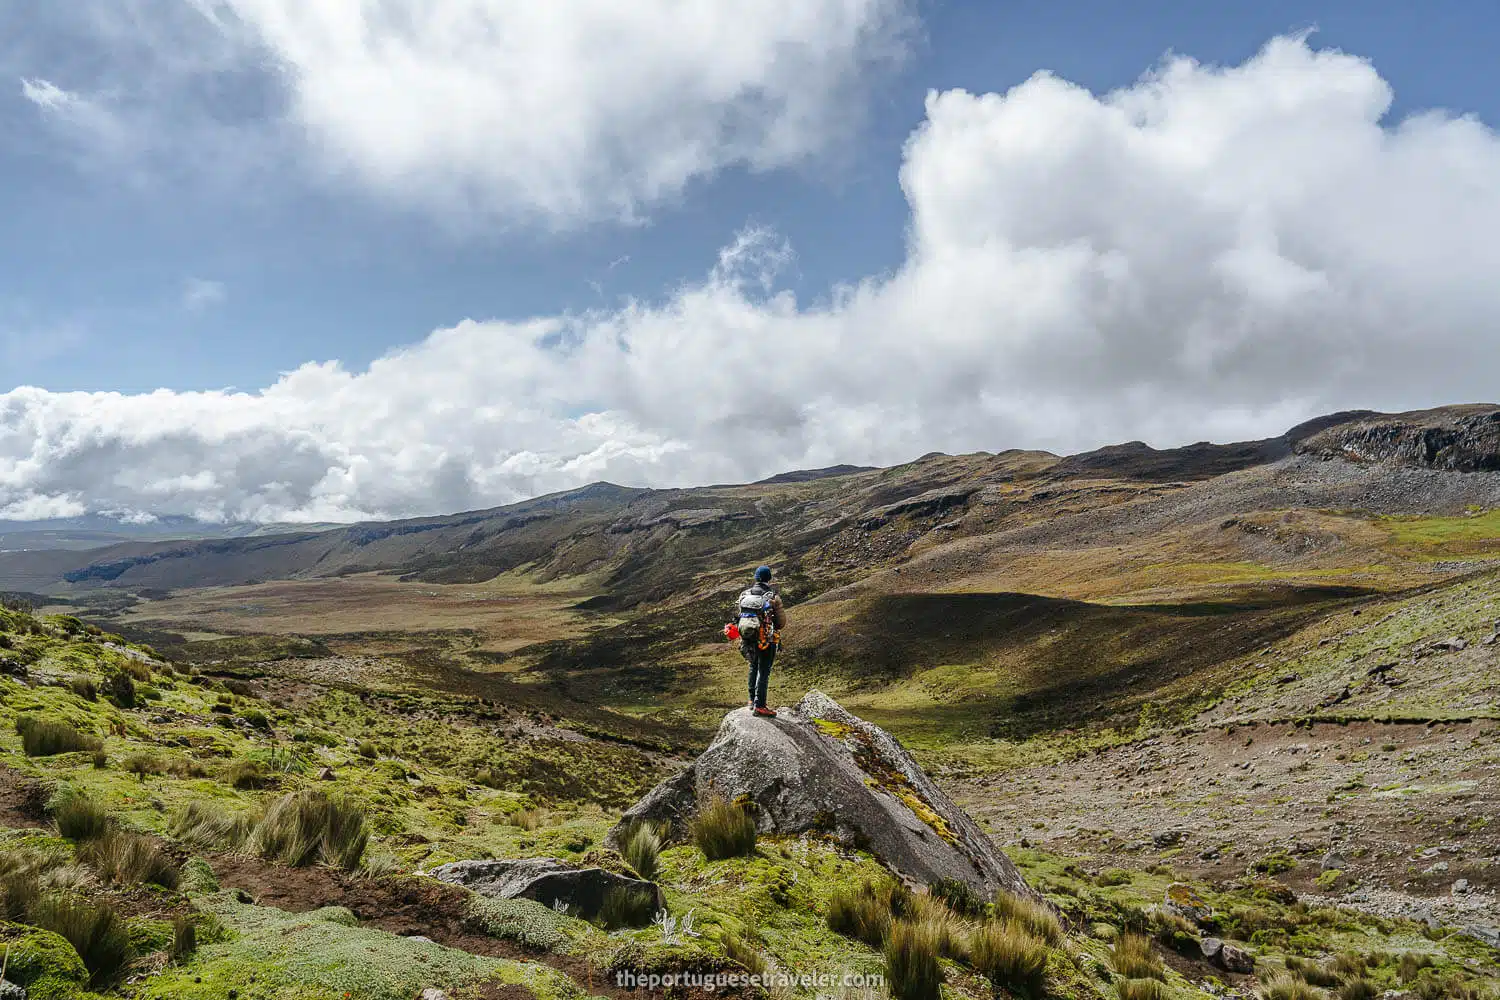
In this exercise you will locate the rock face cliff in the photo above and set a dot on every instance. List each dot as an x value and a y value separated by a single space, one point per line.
820 769
1454 438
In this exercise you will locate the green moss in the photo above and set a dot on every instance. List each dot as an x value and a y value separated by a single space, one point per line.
311 957
43 962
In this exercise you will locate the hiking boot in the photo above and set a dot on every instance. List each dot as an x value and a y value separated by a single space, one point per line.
764 712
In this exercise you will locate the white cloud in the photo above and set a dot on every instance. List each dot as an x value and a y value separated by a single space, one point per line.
1212 252
558 114
199 294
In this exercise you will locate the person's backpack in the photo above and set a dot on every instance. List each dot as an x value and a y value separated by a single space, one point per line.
755 616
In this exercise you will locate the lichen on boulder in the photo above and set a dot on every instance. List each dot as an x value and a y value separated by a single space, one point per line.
818 768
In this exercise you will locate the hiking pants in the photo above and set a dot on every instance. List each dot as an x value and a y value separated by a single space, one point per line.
760 670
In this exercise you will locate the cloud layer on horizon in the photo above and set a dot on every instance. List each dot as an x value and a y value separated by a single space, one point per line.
1210 252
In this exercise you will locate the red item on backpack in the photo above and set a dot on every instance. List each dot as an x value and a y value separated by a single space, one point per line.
731 631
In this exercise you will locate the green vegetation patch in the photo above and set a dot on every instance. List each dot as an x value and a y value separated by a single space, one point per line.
313 956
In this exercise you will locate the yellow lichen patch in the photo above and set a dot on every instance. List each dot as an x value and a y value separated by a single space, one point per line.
837 730
884 775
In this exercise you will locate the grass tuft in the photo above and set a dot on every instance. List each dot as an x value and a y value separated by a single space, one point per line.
642 849
1038 919
47 737
912 967
1009 957
1134 958
209 824
95 930
1141 989
626 907
1289 988
79 818
723 830
866 913
125 857
305 827
1358 989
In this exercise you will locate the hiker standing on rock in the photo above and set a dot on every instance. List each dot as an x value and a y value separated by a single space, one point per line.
760 621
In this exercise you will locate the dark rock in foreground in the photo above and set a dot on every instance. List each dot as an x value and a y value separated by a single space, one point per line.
546 880
819 769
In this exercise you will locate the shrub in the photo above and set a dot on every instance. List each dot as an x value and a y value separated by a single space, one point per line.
912 969
642 849
303 827
85 688
959 896
526 921
865 913
79 818
1141 989
1449 987
121 689
723 830
626 907
489 778
247 775
209 824
101 760
1133 958
1038 919
141 764
1288 988
257 719
126 858
368 749
184 938
1009 958
47 738
1359 988
1114 876
95 930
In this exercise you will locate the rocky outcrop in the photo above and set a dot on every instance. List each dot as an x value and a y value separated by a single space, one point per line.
820 769
1454 438
546 880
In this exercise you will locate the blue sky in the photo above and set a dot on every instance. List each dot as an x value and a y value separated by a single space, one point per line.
194 201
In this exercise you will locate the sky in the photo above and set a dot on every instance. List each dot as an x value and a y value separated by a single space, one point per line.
309 260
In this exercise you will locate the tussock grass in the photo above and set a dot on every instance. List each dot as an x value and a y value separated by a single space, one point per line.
84 687
1141 989
1134 958
125 857
247 775
626 907
866 912
305 827
79 818
141 765
48 737
184 938
1009 957
95 930
642 849
740 949
19 893
1289 988
723 830
1311 972
1037 919
912 969
1411 964
1359 988
210 824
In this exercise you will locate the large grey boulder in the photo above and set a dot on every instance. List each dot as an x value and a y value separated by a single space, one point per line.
546 880
819 769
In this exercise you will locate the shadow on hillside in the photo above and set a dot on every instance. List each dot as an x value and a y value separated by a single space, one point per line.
1063 662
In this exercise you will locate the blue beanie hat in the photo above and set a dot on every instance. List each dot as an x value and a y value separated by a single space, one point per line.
763 574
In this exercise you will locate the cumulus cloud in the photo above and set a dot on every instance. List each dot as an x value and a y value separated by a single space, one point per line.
1210 252
557 114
